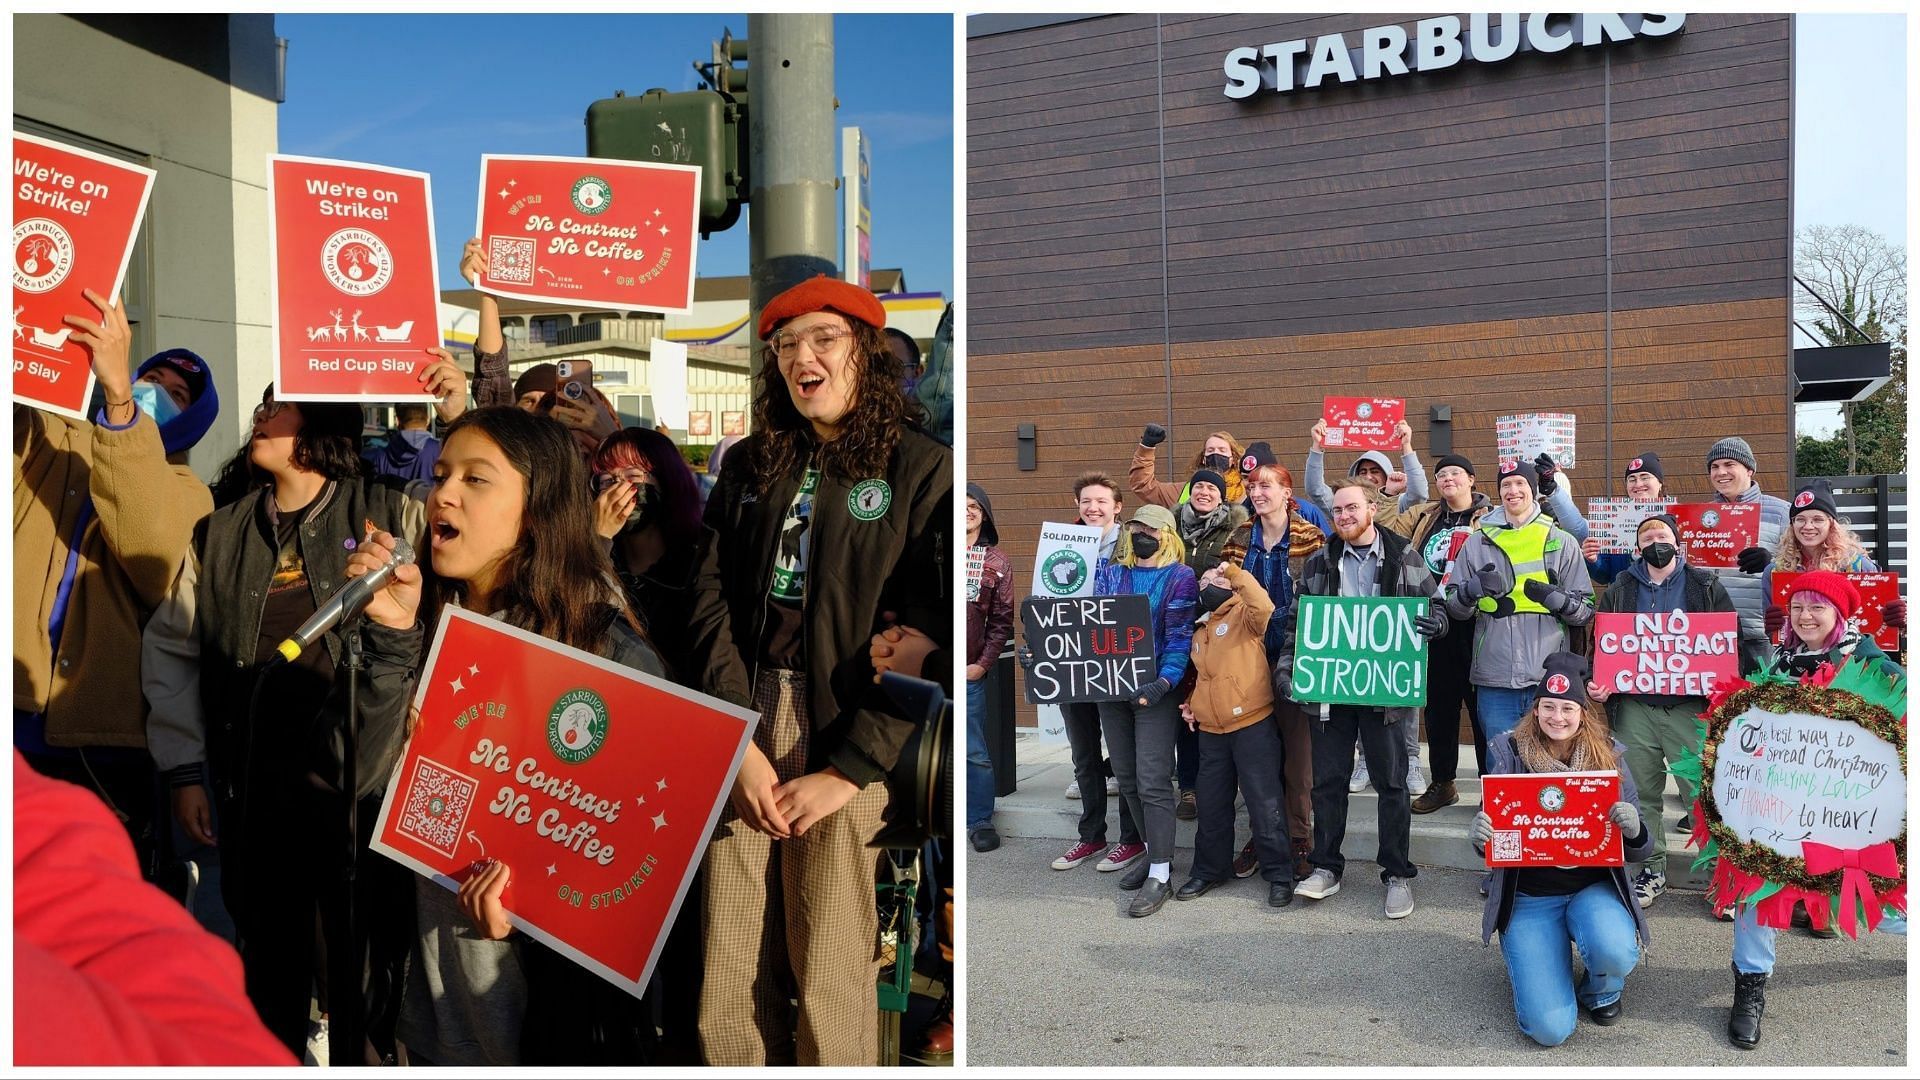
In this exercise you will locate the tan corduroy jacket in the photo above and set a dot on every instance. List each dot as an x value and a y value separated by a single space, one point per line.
144 514
1234 687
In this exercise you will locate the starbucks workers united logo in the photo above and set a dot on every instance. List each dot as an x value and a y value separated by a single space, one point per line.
591 195
577 726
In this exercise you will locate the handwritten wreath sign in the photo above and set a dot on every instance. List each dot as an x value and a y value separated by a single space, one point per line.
1801 793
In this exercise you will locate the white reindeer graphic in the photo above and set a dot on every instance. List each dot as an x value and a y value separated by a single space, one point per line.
339 328
360 332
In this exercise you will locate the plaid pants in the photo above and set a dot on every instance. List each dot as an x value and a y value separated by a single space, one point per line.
792 919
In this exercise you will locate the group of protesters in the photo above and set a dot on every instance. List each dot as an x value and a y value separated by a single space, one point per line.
1512 583
149 606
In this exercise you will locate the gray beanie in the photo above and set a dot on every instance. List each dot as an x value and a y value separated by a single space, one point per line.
1732 448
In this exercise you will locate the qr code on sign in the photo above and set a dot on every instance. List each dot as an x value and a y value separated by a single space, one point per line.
1506 845
438 799
510 258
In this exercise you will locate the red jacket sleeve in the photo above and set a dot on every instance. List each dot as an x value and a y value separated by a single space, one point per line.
107 969
999 610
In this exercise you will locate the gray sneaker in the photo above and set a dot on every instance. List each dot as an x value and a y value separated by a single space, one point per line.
1399 898
1319 885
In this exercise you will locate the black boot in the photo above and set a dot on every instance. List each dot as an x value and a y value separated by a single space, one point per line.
1749 1005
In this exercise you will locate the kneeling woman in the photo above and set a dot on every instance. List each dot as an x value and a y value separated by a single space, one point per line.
512 537
1538 910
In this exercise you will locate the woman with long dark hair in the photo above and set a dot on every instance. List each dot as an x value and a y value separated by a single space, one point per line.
511 537
835 511
230 724
648 508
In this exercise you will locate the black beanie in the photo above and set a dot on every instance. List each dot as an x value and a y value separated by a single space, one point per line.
1671 522
1647 463
1565 677
1453 459
1208 476
1522 469
1257 454
1817 495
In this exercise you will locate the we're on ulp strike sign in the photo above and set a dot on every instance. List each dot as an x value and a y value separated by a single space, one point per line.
355 304
75 216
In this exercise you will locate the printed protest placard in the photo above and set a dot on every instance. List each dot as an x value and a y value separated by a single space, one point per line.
1712 535
75 216
1876 592
1360 650
1785 779
1671 652
1528 435
590 231
1065 559
733 423
356 303
596 785
1087 648
976 570
1553 819
1613 521
1362 423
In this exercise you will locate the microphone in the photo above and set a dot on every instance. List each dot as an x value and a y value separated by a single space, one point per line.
350 601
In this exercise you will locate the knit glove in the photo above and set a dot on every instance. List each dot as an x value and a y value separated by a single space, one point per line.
1754 559
1024 654
1153 436
1895 614
1481 831
1627 816
1283 678
1545 466
1546 594
1478 585
1151 693
1431 625
1776 617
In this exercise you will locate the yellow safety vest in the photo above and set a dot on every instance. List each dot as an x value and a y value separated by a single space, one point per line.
1526 548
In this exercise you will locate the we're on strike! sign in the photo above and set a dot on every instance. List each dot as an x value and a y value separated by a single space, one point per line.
1087 648
1351 650
1670 652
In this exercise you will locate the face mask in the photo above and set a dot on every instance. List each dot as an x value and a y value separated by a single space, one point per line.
1212 597
1145 545
155 402
646 503
1658 555
1217 462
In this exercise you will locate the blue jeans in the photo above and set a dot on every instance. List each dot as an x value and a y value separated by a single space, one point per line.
1501 708
1546 1001
980 786
1752 943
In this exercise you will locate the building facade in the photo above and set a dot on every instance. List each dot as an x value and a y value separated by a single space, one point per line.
1597 229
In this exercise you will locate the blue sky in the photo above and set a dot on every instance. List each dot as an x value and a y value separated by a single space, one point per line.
434 92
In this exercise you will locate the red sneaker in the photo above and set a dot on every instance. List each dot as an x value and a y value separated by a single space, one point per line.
1078 854
1121 857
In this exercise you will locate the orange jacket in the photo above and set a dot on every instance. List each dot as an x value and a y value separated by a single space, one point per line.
1234 687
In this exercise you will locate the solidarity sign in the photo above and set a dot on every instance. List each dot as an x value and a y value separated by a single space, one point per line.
1064 562
355 303
596 785
75 216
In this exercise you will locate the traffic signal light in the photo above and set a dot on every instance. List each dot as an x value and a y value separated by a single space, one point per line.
707 128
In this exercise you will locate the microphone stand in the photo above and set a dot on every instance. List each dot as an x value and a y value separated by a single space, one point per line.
346 1033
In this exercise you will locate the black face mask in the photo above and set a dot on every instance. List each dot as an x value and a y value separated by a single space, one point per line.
646 506
1217 462
1658 555
1145 545
1212 597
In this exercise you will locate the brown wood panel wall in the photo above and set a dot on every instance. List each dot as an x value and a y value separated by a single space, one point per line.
1090 405
1471 195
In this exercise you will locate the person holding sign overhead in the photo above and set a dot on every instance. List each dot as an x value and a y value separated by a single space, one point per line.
1539 911
1366 561
1657 728
1140 732
833 512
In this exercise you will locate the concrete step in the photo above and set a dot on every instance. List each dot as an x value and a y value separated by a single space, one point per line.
1038 809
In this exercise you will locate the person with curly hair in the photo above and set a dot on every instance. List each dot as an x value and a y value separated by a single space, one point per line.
832 520
1220 453
1817 538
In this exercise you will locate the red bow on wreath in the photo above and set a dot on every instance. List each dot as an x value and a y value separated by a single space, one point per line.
1854 866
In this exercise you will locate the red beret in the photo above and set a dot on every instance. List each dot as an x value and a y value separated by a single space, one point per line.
817 294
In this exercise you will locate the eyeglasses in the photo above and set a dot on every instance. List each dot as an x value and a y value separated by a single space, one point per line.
267 410
821 339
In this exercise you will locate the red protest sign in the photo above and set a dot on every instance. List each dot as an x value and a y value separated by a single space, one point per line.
1668 652
355 303
1876 592
597 786
1362 423
1714 534
75 216
590 231
1553 819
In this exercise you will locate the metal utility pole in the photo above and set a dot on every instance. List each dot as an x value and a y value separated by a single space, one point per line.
794 225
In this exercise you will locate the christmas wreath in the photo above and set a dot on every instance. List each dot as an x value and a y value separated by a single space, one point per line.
1785 788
